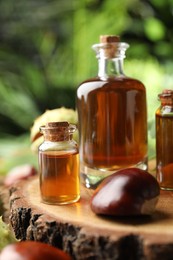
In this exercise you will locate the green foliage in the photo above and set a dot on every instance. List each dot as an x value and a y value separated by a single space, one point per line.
45 52
15 151
153 78
7 236
89 23
154 29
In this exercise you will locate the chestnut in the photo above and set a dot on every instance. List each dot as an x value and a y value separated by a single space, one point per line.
130 191
19 173
32 250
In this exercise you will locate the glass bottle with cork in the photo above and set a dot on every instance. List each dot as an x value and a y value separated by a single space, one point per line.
112 116
164 140
59 164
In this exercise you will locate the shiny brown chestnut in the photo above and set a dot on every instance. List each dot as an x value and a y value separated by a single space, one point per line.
32 250
130 191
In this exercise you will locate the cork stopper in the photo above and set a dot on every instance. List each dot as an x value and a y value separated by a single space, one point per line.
57 124
166 97
167 92
57 131
110 47
109 38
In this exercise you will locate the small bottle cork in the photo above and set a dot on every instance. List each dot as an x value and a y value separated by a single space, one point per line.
166 97
109 38
110 47
57 124
56 131
167 92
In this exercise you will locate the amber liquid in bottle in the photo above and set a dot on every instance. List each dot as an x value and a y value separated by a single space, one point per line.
112 116
59 181
164 148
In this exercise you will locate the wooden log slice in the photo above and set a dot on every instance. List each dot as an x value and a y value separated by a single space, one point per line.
4 202
84 235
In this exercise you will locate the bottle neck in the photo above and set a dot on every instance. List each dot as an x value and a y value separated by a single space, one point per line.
167 102
109 68
110 58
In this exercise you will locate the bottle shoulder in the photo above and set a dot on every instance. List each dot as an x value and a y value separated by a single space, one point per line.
121 78
164 111
119 82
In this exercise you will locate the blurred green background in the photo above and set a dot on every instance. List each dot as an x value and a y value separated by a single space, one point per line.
45 52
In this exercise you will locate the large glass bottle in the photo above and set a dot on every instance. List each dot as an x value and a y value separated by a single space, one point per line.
112 116
164 140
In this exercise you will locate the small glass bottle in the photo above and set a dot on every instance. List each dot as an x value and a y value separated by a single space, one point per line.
59 164
164 140
112 116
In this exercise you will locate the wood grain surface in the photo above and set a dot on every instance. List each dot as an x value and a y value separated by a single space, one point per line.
78 231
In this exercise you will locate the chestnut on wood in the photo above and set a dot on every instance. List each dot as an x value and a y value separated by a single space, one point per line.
18 173
32 250
130 191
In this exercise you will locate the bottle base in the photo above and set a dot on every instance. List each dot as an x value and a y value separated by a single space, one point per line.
91 178
61 200
167 188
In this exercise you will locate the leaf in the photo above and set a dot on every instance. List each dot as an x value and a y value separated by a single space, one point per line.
154 29
15 151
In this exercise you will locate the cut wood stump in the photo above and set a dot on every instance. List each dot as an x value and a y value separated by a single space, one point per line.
77 230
